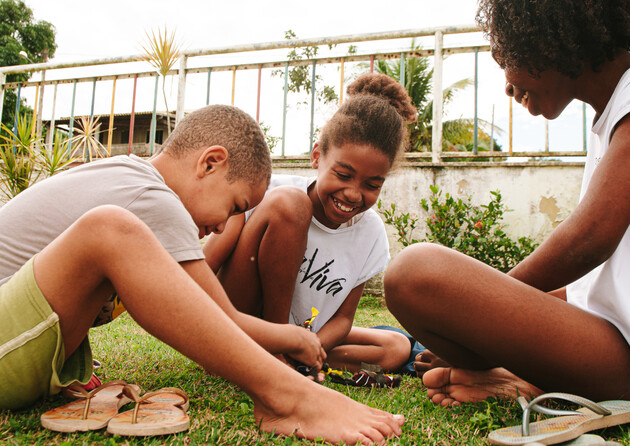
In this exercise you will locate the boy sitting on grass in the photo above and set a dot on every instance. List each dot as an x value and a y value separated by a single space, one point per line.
131 227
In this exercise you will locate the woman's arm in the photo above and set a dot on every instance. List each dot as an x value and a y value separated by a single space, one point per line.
590 235
337 328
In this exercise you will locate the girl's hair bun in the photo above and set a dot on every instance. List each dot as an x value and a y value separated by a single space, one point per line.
386 88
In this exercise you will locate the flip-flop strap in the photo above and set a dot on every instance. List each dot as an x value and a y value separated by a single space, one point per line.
534 406
545 410
131 393
78 391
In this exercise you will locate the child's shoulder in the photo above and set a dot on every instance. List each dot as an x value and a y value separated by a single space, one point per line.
278 180
119 165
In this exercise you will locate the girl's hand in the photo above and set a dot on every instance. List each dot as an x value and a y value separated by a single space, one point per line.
307 347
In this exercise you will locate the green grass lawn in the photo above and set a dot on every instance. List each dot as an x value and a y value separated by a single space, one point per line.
221 414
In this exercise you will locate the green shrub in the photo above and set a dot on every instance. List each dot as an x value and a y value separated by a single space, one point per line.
476 231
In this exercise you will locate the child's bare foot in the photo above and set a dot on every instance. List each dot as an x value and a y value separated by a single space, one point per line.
426 361
315 411
452 386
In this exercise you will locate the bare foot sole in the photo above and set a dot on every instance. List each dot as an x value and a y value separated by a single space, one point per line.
426 361
311 417
452 386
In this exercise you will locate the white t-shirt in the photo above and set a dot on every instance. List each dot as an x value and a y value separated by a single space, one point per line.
605 291
336 260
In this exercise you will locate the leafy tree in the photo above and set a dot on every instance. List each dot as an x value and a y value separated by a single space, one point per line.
300 78
272 141
19 31
457 134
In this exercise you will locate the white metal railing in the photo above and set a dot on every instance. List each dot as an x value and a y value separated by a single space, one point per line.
186 68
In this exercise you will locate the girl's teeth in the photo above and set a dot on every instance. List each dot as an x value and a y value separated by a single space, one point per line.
342 207
524 99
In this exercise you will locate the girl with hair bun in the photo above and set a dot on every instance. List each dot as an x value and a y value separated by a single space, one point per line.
312 243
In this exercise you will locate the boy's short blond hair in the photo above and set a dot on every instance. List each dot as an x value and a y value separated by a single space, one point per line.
229 127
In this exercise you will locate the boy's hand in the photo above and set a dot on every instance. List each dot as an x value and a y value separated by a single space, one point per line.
308 349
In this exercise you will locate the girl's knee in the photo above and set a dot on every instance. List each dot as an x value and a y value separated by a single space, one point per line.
397 348
289 205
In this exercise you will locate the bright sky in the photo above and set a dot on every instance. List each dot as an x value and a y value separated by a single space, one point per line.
91 30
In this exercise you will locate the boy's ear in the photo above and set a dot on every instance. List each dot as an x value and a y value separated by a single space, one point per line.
315 154
211 159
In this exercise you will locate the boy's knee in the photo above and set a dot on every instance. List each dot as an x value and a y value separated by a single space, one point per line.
109 220
289 205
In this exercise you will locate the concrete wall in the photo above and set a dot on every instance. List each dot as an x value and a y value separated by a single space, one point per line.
540 195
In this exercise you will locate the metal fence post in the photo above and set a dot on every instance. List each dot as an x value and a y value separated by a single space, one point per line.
153 117
476 123
208 86
40 106
436 137
313 80
50 137
181 90
284 105
402 70
3 79
71 124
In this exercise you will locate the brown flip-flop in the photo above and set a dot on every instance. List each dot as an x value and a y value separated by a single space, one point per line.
90 411
155 413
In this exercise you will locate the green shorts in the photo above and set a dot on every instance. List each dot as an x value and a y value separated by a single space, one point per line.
32 355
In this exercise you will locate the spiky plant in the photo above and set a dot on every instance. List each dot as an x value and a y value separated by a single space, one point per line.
58 157
19 167
85 143
162 51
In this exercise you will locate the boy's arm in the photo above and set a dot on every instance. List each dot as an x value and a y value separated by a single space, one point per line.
337 328
275 338
218 247
591 234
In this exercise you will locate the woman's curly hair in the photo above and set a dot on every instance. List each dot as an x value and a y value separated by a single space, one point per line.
560 35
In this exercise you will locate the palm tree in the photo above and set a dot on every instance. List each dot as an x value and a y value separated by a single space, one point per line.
457 134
